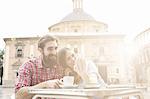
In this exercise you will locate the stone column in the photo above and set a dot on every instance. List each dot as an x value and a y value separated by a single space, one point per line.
6 65
148 78
77 4
31 51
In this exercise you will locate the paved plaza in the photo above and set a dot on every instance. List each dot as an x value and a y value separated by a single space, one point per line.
5 93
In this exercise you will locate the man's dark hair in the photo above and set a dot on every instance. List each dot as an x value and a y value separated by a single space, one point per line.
43 40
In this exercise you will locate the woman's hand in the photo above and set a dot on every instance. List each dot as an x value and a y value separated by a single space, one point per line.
68 70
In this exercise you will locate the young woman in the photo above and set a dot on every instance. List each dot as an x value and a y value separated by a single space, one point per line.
83 70
66 59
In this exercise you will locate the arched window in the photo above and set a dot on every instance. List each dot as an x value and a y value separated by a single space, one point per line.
19 49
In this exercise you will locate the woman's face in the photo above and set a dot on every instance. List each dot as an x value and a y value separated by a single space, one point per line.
70 59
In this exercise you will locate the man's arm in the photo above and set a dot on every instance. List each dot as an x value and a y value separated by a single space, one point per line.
23 93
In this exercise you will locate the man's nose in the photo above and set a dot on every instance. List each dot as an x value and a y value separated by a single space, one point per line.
53 52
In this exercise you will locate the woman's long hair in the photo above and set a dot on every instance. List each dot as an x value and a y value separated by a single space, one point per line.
61 57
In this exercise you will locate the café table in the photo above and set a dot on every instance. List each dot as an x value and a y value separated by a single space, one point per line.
81 93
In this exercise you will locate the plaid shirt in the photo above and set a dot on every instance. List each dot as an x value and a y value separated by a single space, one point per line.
32 73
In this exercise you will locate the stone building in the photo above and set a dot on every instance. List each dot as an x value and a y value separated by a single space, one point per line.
80 31
141 60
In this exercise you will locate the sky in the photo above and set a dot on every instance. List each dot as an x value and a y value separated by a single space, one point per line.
33 17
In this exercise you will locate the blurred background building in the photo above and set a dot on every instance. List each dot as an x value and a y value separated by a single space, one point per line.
141 59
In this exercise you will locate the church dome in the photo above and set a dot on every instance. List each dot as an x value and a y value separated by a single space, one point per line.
76 15
78 21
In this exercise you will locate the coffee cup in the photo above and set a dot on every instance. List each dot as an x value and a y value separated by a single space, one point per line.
68 80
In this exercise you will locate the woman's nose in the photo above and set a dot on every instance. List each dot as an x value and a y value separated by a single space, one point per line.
73 58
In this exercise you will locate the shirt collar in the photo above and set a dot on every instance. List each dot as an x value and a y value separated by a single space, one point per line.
39 62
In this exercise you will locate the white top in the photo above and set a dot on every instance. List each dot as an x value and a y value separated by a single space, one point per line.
88 71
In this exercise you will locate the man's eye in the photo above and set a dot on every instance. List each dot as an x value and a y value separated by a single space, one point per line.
52 48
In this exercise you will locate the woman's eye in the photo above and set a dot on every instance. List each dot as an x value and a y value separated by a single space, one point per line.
73 55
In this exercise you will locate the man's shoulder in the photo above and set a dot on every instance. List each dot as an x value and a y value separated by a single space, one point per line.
33 60
30 62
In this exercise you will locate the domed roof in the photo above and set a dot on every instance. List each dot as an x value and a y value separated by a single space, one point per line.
77 15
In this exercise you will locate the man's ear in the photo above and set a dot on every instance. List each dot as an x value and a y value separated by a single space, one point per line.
40 50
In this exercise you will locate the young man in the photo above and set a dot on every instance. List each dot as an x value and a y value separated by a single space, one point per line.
42 72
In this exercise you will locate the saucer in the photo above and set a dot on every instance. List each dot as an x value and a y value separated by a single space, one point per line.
68 86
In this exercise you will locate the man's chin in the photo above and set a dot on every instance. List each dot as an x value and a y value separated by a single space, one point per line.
52 63
49 65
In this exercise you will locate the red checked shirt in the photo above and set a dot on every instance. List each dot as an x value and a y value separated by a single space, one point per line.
32 73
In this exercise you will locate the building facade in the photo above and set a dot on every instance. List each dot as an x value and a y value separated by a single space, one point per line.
77 30
141 60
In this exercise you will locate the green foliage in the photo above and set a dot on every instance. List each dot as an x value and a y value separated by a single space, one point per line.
1 54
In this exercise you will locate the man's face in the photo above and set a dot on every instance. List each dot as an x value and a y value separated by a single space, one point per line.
49 53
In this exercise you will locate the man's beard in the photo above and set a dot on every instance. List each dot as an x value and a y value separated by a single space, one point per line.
50 60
